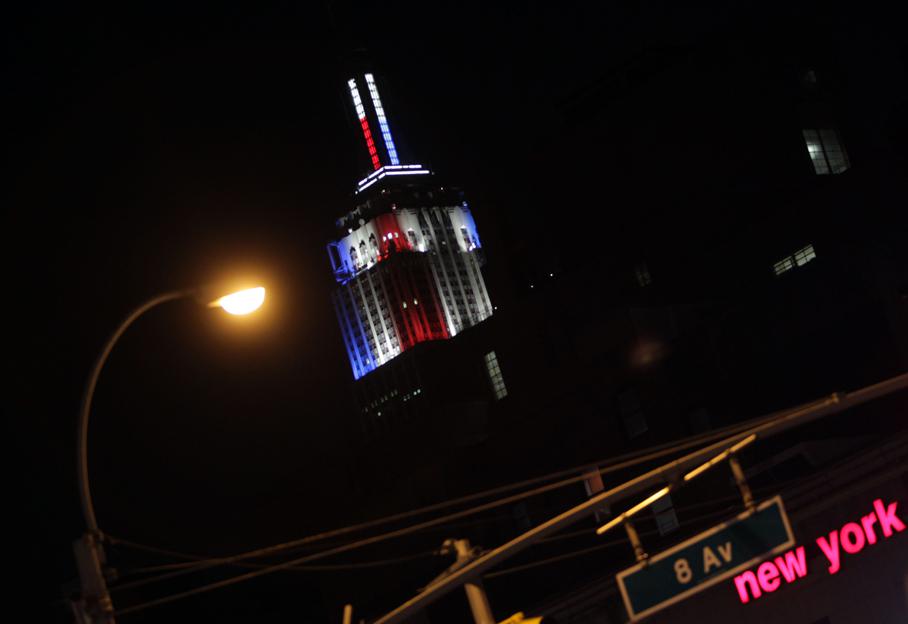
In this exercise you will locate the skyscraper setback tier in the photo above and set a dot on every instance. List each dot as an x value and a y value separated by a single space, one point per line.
407 273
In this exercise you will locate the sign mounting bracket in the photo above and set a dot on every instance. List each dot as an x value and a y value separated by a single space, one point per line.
741 481
634 537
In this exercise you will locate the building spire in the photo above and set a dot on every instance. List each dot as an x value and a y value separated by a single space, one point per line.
376 132
382 120
364 123
371 114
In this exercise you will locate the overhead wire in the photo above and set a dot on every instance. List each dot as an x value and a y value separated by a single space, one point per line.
804 491
666 473
192 559
797 503
356 565
622 540
586 468
604 467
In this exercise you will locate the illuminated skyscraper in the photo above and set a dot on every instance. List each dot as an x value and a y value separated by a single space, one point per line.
407 258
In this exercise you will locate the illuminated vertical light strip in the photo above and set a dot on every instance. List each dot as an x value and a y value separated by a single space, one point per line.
382 120
364 123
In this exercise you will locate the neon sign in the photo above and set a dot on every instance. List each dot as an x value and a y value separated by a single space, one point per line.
851 539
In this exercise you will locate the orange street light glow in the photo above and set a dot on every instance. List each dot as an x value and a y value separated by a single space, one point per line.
242 302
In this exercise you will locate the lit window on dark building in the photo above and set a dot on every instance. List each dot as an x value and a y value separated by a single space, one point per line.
804 255
826 151
641 271
799 258
495 376
810 78
785 264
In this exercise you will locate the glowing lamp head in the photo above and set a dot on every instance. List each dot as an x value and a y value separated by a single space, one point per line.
242 302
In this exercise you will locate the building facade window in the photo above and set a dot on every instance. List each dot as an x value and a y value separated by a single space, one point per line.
592 483
799 258
632 414
785 264
666 518
699 420
521 517
826 151
641 272
495 376
364 255
804 255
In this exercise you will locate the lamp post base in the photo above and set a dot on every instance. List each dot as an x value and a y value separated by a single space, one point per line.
93 605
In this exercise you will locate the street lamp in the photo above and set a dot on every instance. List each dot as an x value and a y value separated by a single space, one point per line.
241 302
95 604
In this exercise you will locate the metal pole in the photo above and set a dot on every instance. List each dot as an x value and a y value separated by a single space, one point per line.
88 509
476 593
95 604
832 404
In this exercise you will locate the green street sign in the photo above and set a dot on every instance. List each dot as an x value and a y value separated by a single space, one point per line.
705 559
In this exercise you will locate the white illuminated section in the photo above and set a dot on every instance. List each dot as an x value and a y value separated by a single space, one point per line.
386 168
357 101
364 124
411 172
367 185
390 170
382 120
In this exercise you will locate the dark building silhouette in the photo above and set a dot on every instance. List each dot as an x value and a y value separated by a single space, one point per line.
707 227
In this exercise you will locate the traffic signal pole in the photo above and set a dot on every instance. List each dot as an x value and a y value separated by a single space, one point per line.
670 472
93 606
476 593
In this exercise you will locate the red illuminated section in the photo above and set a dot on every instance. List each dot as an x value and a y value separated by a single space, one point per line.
370 143
415 307
364 123
392 238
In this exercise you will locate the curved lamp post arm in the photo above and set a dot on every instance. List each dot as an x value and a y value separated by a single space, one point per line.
88 510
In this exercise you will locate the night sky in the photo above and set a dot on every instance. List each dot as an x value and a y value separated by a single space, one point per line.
155 149
158 148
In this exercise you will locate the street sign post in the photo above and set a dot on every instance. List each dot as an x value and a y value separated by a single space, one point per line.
705 559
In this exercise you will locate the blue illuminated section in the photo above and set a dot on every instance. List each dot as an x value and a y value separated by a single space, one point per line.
382 120
471 224
362 360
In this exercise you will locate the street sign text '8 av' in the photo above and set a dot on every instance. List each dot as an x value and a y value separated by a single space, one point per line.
705 559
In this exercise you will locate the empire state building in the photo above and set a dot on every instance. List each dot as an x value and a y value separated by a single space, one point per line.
407 257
